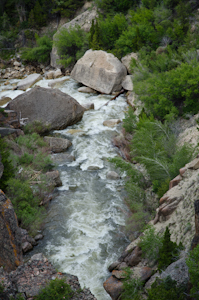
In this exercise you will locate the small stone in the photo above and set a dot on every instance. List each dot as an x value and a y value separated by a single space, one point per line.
113 266
39 237
113 287
111 122
112 175
175 181
119 274
86 89
26 247
89 106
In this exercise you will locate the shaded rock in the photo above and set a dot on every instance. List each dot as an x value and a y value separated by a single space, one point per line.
93 168
10 235
182 171
111 122
100 71
195 240
113 266
175 181
151 280
4 131
39 237
26 83
112 175
49 75
119 274
127 83
63 157
122 266
126 60
57 144
134 257
86 89
178 271
54 109
54 178
113 287
89 106
145 273
26 247
4 100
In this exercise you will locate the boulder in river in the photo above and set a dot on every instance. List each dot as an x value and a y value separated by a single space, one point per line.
52 108
57 145
10 236
26 83
100 71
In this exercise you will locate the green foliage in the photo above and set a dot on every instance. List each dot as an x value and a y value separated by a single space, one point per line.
132 286
30 216
154 145
40 53
111 6
169 251
6 161
150 243
71 45
35 126
193 265
56 289
31 141
67 8
164 289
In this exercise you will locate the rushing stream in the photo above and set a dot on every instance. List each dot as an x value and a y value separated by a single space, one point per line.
83 231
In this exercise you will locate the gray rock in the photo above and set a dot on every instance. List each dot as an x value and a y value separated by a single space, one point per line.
56 82
100 71
178 271
53 108
54 178
113 266
112 175
26 83
86 89
111 122
39 237
127 83
26 246
57 145
113 287
126 60
89 106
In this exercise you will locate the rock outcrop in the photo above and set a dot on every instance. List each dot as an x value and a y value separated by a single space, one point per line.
126 60
57 145
10 236
83 20
100 71
52 108
32 276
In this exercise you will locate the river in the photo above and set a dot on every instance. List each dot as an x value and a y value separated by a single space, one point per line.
84 228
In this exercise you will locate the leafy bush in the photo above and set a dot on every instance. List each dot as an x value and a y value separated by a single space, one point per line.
111 6
56 289
150 243
169 251
31 141
164 289
132 287
30 216
6 161
35 126
40 53
192 263
71 45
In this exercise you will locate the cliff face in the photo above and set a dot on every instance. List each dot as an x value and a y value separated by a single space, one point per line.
10 236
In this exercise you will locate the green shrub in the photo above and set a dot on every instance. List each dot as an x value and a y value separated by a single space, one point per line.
111 6
42 162
25 159
164 289
56 289
31 141
169 251
6 161
40 53
150 244
132 287
71 45
36 126
192 263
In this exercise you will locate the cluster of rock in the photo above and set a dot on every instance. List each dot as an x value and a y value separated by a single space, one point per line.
29 278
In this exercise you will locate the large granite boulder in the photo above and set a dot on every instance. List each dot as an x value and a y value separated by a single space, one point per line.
126 60
84 20
10 236
53 108
100 71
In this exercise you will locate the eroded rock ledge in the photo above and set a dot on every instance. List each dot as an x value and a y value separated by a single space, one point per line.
30 277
